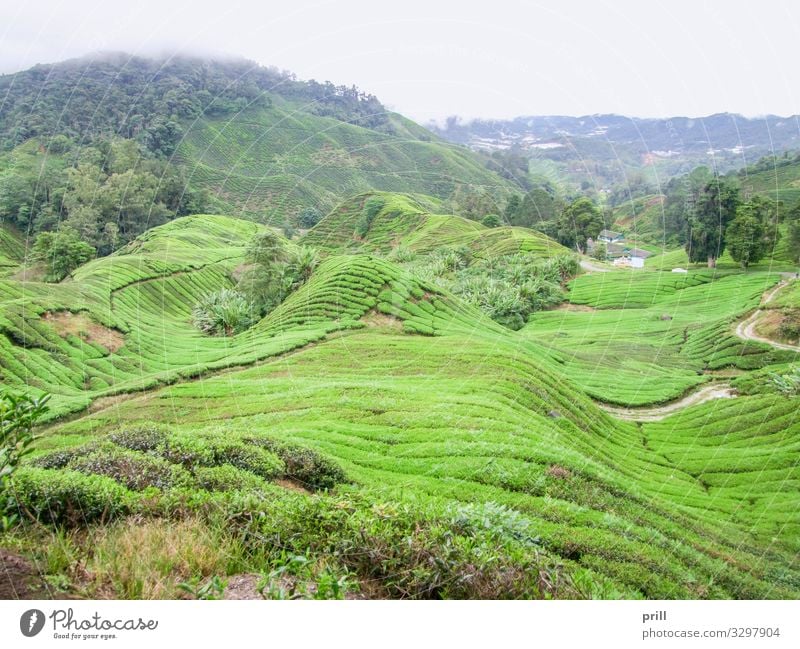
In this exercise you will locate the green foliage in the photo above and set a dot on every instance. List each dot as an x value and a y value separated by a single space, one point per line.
709 219
18 415
475 202
579 221
754 231
372 206
600 251
793 228
309 217
538 207
141 437
108 192
248 457
224 312
491 221
305 466
61 252
135 470
65 497
211 589
787 384
508 289
227 477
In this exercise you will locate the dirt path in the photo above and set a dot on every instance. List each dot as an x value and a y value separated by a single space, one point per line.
746 329
657 413
593 267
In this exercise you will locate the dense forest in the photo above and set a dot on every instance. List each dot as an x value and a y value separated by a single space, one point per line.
147 98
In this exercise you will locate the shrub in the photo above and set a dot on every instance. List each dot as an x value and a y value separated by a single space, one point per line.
18 414
250 458
492 221
309 217
788 384
69 497
305 466
402 254
789 327
372 206
62 457
134 469
225 312
478 551
142 437
188 450
227 478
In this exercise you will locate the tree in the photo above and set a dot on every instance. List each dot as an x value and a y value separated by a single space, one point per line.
754 231
61 252
715 209
600 251
491 221
473 203
681 197
793 232
309 217
579 221
275 270
538 206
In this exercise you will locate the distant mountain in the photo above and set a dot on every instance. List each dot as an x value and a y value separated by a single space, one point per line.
620 144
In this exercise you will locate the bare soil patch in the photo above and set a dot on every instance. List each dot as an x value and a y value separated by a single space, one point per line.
243 586
81 325
568 306
291 485
19 579
375 318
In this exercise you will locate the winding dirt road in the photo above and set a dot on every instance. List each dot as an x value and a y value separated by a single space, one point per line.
657 413
746 329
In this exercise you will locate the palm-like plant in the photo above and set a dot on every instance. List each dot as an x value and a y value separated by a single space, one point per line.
225 312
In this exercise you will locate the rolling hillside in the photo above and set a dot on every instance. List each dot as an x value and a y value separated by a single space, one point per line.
262 143
428 420
414 222
273 162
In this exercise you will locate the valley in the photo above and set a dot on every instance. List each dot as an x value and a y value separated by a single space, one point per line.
361 363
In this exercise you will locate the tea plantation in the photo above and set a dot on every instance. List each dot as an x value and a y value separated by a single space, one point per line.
375 436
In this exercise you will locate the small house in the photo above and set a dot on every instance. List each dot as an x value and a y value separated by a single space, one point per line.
608 236
637 257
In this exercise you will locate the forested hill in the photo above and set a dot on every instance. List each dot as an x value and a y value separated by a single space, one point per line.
195 135
148 98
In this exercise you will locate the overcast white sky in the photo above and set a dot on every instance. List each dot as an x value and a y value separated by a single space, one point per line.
433 58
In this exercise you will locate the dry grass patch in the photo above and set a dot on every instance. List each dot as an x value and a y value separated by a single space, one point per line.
81 325
148 559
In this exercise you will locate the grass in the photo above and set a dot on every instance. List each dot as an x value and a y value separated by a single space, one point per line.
272 162
657 334
464 459
414 417
411 221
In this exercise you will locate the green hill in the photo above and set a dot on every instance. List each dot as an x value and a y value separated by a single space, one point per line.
12 248
259 141
431 421
273 162
413 222
777 178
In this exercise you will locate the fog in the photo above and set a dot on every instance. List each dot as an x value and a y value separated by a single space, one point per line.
433 59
